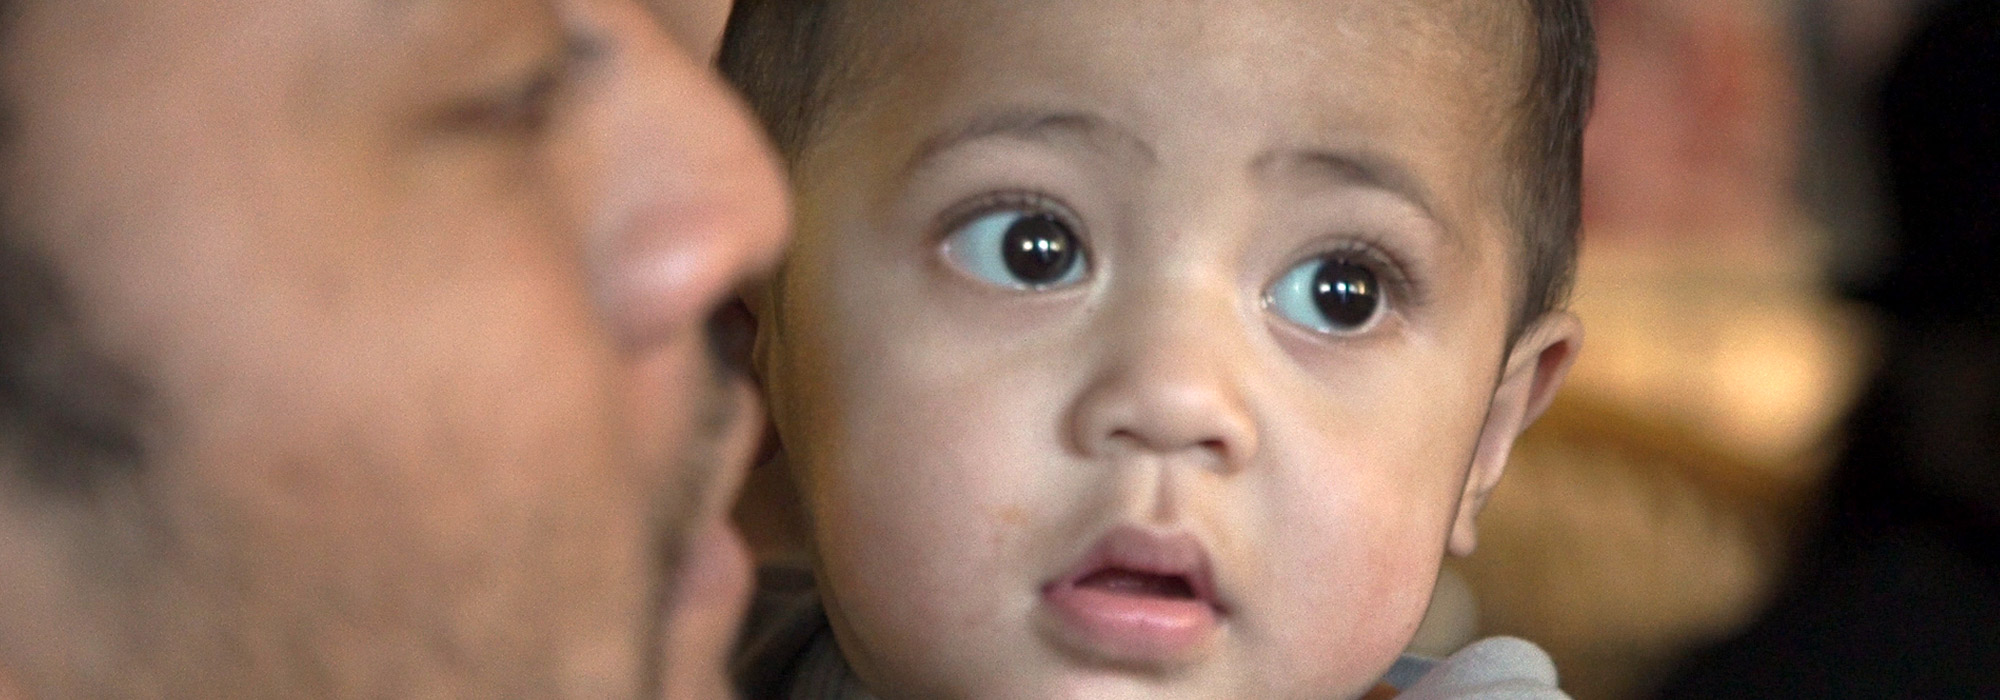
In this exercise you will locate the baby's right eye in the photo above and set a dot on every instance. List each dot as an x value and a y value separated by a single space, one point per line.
1021 249
1330 294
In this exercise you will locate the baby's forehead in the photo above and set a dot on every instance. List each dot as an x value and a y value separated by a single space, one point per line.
1486 42
1485 29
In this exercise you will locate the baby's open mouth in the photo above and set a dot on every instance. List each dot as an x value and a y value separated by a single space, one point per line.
1139 596
1123 581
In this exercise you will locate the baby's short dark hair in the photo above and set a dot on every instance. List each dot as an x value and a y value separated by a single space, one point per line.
789 60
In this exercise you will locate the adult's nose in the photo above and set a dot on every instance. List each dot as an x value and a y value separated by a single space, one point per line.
1168 383
686 200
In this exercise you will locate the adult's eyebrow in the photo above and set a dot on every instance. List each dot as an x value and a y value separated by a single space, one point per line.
1034 125
1359 168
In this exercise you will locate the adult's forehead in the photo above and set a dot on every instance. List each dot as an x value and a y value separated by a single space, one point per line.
217 27
696 24
449 21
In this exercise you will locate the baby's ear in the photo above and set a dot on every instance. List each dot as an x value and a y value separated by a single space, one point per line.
1535 368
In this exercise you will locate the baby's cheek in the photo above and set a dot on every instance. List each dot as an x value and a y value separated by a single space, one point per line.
918 533
1348 630
1353 553
920 588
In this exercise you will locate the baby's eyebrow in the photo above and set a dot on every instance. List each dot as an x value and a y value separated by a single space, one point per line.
1035 125
1357 168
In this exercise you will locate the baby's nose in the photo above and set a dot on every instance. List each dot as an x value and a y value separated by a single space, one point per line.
1173 394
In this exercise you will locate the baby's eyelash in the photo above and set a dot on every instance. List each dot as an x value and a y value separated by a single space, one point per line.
1008 200
1406 290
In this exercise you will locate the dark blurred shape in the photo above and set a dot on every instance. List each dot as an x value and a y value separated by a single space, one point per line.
1898 595
1941 137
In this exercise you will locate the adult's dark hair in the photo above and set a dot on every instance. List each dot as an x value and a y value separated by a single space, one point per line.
1930 431
1940 123
788 59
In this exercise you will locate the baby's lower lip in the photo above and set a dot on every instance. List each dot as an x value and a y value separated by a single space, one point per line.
1130 627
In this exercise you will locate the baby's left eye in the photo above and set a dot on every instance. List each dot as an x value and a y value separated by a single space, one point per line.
1330 294
1023 249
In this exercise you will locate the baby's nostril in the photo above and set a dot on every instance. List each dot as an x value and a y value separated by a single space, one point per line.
732 333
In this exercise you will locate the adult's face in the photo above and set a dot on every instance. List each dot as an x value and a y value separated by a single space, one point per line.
411 305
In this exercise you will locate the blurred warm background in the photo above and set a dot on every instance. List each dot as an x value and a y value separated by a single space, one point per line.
1731 194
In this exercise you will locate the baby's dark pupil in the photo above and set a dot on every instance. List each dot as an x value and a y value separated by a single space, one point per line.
1038 249
1346 293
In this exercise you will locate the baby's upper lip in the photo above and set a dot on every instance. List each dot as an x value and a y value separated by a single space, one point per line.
1148 551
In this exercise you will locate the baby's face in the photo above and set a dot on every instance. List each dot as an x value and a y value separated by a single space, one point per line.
1144 349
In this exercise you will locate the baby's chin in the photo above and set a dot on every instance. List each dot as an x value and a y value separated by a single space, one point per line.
1218 681
1025 663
